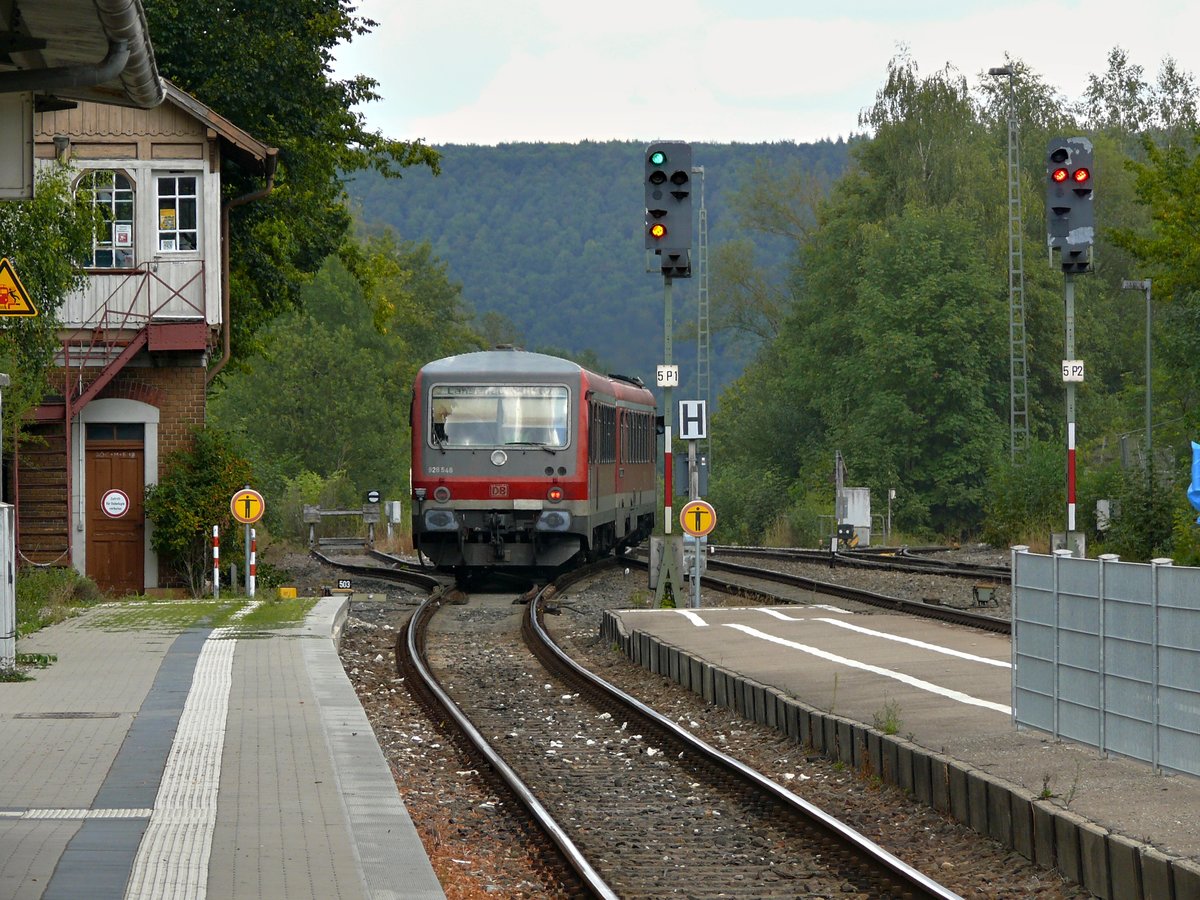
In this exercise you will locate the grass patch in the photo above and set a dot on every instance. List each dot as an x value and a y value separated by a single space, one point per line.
36 660
166 615
277 613
179 615
887 719
47 596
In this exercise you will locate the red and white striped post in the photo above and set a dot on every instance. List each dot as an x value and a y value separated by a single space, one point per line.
1069 302
668 473
253 563
1070 480
216 563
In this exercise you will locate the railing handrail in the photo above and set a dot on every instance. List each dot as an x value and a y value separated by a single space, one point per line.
109 316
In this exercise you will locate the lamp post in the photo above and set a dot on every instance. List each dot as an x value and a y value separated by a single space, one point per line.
1145 287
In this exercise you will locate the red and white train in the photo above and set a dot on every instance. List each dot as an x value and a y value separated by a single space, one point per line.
523 461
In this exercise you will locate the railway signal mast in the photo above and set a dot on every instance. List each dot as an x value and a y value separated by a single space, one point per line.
1070 229
668 227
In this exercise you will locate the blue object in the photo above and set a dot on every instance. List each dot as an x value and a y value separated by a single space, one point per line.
1193 493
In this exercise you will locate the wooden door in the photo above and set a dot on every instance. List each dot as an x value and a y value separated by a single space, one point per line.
116 526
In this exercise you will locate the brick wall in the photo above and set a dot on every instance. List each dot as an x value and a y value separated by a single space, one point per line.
178 392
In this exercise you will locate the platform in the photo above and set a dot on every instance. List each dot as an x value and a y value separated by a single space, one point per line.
157 763
926 706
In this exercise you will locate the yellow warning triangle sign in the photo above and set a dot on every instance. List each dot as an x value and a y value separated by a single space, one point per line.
14 299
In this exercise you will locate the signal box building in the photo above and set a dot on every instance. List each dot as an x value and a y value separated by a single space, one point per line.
141 342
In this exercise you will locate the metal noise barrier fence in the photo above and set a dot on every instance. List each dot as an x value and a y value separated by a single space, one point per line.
1106 653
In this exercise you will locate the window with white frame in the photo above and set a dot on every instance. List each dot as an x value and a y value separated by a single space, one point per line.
177 213
111 194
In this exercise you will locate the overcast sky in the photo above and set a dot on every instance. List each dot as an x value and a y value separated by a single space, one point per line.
497 71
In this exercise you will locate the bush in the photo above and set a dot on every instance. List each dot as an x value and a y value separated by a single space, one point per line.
1145 526
46 596
192 498
1026 500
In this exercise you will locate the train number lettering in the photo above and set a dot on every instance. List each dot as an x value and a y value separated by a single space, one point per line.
439 470
499 490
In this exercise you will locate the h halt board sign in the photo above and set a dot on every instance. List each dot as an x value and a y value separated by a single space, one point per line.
693 420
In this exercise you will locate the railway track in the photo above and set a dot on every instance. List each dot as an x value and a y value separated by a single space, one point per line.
633 804
893 560
749 579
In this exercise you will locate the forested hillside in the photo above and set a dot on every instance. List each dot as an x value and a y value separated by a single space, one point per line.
871 278
549 237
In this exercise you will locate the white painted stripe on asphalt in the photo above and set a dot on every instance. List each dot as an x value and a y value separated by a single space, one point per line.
172 859
779 614
913 642
692 617
776 614
876 670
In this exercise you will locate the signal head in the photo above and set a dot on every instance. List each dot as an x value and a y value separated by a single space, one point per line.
1070 219
668 173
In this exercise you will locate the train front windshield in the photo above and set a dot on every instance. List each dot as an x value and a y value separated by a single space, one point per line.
499 415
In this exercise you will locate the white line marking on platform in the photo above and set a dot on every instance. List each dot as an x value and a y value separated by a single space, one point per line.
776 614
779 614
115 813
913 642
692 617
172 860
876 670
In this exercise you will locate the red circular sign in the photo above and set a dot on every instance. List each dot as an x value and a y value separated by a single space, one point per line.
115 503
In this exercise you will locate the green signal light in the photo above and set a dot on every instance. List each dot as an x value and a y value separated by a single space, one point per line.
657 158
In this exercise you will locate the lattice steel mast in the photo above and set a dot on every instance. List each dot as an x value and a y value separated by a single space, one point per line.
1018 384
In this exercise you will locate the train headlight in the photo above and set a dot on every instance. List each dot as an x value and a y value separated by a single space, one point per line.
440 520
499 457
555 494
441 493
554 520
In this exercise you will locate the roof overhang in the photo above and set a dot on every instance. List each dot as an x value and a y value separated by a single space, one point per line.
97 50
249 152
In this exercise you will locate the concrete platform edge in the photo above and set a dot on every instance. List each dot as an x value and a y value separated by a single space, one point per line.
392 859
1048 835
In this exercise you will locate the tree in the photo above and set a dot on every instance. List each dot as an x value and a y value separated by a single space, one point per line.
1121 98
190 499
47 240
267 67
329 392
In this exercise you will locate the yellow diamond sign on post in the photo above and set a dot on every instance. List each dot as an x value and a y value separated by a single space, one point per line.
14 299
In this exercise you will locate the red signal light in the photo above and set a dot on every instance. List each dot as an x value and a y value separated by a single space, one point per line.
555 494
1060 175
658 231
1081 175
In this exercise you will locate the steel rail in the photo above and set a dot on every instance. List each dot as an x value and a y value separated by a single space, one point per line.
904 559
858 595
864 848
415 649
